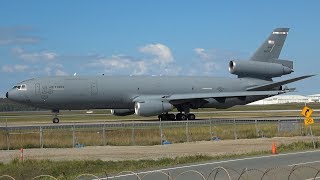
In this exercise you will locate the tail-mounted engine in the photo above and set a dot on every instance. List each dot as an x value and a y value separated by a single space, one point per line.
258 69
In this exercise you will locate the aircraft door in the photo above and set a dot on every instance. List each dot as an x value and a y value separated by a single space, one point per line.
94 88
37 89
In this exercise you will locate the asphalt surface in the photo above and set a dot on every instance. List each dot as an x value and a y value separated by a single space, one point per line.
301 165
121 122
124 124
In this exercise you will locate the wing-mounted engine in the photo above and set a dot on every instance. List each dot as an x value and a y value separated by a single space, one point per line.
122 112
258 69
152 107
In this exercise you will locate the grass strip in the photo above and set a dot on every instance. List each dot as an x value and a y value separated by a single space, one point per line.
71 169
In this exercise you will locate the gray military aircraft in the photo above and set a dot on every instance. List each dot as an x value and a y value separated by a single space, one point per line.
157 95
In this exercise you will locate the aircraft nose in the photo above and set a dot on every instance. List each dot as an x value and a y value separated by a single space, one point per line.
13 95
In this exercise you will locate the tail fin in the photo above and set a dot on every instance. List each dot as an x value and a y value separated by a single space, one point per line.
264 64
272 46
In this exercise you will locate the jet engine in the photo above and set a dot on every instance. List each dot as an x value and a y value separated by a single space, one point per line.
152 108
258 69
122 112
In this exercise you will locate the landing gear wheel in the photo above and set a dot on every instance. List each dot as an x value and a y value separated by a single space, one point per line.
165 117
183 117
184 110
191 117
55 120
178 116
171 117
162 117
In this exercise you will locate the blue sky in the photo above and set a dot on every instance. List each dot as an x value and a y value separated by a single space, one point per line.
115 37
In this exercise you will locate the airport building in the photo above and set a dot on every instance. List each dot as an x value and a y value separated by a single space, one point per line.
314 98
283 99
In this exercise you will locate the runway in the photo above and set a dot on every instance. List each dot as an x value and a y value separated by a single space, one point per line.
37 119
149 123
301 165
41 114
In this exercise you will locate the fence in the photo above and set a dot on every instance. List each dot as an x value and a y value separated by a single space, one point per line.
147 133
294 172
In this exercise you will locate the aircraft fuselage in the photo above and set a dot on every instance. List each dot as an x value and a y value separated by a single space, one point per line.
112 92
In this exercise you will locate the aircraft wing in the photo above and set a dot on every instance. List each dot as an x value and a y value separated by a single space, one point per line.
190 96
276 84
222 95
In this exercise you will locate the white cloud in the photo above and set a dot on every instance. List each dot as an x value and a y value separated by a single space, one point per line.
212 62
17 35
120 64
14 68
208 60
34 56
127 65
141 68
210 66
162 54
48 70
53 69
202 53
116 61
59 72
21 68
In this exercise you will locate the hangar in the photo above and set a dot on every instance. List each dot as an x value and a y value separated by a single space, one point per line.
283 99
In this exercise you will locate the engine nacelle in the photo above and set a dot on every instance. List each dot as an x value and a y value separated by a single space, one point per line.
152 108
122 112
258 69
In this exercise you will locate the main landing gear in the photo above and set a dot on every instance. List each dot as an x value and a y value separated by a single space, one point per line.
55 118
179 117
184 114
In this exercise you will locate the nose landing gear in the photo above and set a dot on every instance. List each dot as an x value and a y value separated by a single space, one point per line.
55 118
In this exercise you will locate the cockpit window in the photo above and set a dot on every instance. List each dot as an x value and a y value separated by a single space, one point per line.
20 87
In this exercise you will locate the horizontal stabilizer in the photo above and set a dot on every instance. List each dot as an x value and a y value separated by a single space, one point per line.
277 84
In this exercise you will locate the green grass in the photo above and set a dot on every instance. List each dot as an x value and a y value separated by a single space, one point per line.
71 169
63 138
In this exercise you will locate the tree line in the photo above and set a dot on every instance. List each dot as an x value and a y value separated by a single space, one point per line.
8 105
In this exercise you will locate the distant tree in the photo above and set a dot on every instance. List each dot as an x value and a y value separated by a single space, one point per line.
8 105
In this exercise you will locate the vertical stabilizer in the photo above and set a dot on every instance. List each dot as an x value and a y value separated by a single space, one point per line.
271 48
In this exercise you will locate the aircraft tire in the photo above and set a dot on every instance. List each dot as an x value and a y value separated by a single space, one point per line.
171 117
55 120
191 116
183 117
178 116
163 117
